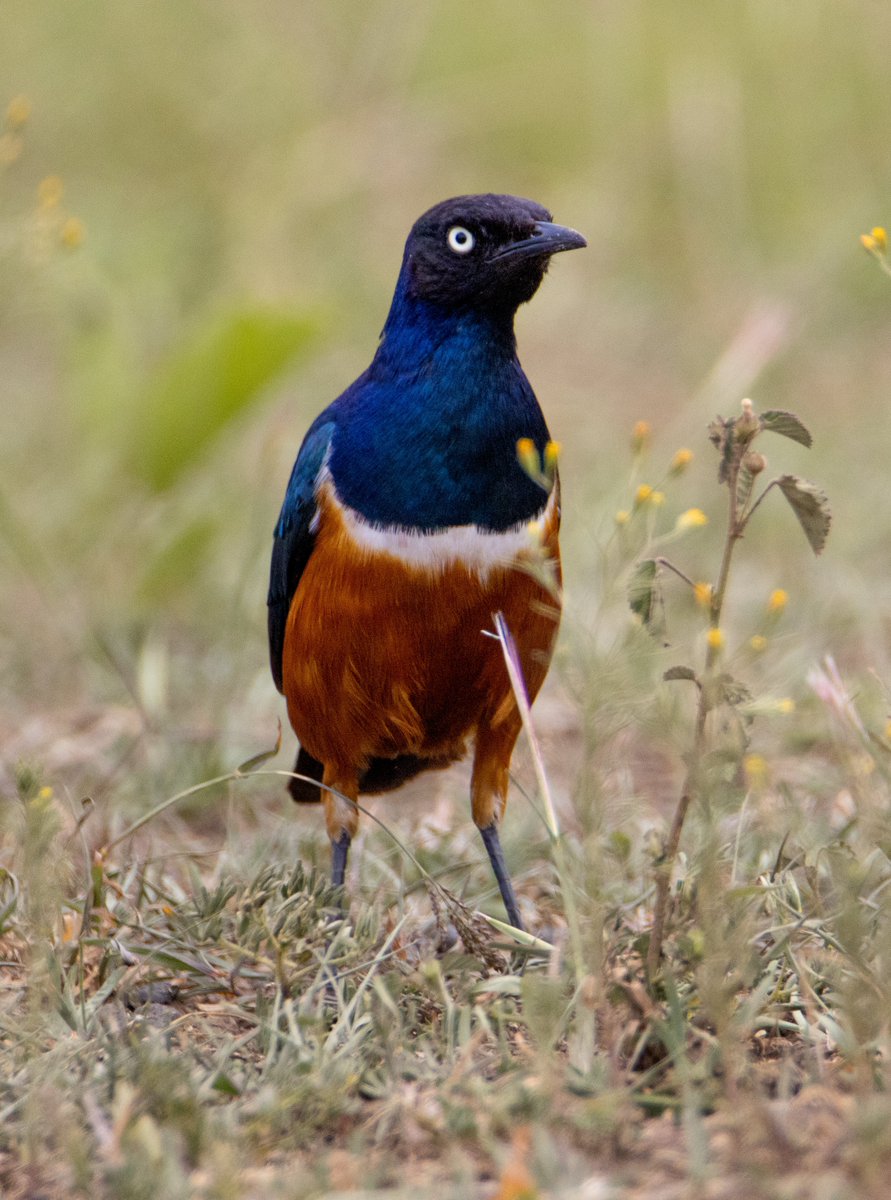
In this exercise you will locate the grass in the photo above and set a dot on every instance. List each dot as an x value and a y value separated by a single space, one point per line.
179 1016
203 1021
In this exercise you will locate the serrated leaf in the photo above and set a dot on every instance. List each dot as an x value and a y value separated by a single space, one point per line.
645 596
776 420
811 506
680 673
745 481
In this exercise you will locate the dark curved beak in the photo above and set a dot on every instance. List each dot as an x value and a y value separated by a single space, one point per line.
547 239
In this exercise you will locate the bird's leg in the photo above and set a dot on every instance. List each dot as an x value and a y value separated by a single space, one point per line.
339 851
341 817
492 842
491 764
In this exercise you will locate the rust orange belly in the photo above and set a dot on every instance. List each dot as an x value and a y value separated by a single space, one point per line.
385 657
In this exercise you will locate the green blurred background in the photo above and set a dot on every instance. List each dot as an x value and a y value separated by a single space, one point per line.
236 184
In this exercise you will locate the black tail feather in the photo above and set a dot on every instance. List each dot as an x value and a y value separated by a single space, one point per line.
381 774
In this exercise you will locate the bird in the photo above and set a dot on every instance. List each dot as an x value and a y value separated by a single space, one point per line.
410 520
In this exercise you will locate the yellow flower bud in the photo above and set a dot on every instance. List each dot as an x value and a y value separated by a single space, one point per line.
72 233
657 499
681 460
755 771
869 243
640 435
527 453
786 705
715 639
17 112
758 643
643 494
777 601
45 793
703 594
880 237
693 518
623 516
551 457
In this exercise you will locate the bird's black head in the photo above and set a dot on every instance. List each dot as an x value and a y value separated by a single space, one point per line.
484 252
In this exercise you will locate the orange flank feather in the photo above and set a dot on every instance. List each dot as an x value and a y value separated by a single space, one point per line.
385 658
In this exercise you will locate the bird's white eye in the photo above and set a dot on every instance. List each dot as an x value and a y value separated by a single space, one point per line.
460 240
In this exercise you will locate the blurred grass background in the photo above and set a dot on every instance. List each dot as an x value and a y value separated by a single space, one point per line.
245 176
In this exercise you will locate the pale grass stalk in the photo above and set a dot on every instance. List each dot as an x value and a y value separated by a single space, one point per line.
558 849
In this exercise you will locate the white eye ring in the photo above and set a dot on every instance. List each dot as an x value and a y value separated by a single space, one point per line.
460 240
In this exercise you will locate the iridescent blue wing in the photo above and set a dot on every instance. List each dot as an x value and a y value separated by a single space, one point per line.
295 536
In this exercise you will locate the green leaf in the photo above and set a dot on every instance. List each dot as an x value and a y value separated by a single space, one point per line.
680 673
745 481
811 506
210 380
775 420
645 596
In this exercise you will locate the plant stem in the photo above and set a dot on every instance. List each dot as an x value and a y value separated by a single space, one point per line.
665 868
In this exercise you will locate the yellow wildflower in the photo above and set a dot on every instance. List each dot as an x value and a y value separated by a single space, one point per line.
693 518
623 516
777 601
680 462
758 643
551 456
703 594
880 237
640 435
657 499
527 453
643 494
755 770
786 705
715 638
